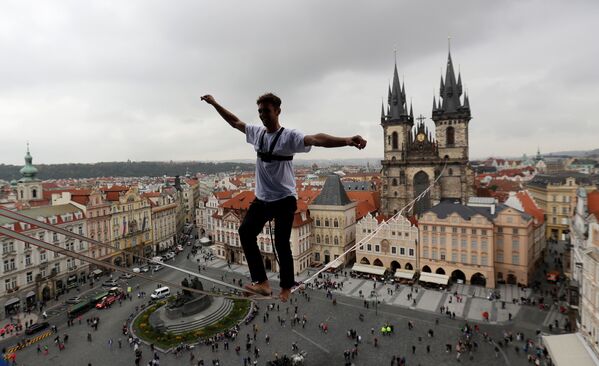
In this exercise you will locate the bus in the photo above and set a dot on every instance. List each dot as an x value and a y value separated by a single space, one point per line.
79 309
98 297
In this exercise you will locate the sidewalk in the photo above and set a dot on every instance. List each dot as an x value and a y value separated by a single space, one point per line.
472 306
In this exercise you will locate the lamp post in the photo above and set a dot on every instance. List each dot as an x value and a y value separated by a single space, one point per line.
376 299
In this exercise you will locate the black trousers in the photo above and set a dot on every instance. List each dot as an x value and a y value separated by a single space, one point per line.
258 214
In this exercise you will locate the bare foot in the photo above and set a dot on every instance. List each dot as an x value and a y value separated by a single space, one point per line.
284 295
262 288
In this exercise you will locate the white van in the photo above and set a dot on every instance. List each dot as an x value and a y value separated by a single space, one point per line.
160 293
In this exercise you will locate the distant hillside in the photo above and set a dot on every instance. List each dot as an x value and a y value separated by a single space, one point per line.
124 169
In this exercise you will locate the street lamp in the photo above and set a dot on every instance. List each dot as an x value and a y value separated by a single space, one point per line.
376 304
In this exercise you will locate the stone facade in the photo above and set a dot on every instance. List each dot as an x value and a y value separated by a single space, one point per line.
480 244
392 246
413 159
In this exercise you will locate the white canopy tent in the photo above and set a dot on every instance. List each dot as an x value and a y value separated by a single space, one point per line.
370 269
569 350
434 278
404 273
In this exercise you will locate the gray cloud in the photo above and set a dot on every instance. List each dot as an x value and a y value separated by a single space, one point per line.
100 80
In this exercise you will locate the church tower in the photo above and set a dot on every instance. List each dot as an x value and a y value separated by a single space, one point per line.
415 156
397 123
452 116
29 187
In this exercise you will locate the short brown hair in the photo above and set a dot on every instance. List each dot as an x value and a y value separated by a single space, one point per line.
269 98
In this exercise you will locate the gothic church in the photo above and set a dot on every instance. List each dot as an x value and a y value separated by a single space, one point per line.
413 158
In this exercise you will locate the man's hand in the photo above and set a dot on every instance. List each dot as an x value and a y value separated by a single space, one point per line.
208 99
356 141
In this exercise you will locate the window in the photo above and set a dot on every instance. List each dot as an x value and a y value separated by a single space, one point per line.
326 239
402 251
394 139
454 256
442 239
27 259
29 277
377 248
473 231
336 240
425 252
57 267
336 223
442 256
464 258
454 229
411 252
434 241
515 258
483 260
317 222
499 230
55 237
393 250
317 239
474 244
450 136
484 244
9 265
425 228
434 254
515 244
442 229
369 247
483 232
515 231
326 222
499 257
454 241
464 243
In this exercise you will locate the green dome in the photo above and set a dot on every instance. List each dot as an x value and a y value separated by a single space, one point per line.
28 172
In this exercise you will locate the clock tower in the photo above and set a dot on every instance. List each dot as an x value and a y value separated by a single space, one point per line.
414 155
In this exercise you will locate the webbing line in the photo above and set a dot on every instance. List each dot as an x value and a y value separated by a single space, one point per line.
51 247
374 232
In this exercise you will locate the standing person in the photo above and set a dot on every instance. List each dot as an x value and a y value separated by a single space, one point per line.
276 196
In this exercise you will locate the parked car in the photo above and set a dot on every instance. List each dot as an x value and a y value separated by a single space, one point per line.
167 256
136 269
144 269
160 293
106 302
126 276
109 283
34 328
73 300
157 267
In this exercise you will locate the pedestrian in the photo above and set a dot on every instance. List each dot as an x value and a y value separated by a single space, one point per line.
275 186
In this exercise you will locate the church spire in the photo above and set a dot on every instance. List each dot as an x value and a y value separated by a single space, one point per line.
382 111
397 102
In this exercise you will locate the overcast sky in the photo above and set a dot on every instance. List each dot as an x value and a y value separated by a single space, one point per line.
89 81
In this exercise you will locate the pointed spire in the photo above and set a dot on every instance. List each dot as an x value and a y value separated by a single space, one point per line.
434 103
382 110
441 88
389 95
466 101
411 111
459 83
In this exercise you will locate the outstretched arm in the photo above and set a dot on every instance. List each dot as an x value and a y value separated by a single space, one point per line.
324 140
227 116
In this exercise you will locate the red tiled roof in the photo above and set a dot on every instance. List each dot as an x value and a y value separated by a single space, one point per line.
240 201
363 208
530 206
372 197
593 203
224 195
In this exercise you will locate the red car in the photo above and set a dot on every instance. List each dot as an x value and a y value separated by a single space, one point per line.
106 302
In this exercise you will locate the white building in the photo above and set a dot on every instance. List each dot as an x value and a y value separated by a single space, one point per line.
31 274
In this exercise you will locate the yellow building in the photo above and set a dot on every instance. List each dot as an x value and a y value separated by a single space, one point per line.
334 219
555 194
131 224
480 243
392 244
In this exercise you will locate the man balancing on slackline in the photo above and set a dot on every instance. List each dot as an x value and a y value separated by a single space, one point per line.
275 186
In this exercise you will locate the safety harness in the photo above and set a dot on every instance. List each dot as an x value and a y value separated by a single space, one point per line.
269 156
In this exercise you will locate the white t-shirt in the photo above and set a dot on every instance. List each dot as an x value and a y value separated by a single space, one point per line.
275 180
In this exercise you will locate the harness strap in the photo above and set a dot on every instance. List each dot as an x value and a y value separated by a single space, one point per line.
269 156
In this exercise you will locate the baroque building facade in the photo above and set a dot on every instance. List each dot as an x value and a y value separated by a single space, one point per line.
414 158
